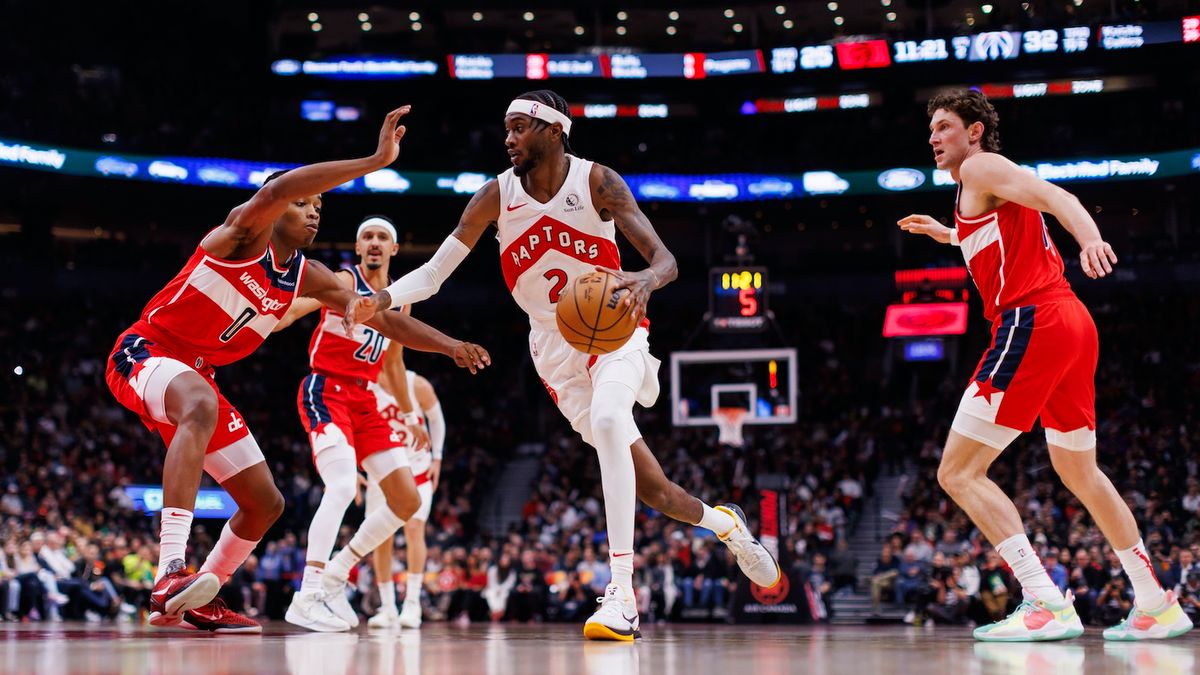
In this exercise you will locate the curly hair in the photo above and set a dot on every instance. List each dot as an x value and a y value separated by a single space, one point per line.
971 106
552 99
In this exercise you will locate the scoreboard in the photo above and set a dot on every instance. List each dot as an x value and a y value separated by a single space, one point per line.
737 299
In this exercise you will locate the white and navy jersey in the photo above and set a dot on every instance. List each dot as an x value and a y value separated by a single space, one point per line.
544 246
217 311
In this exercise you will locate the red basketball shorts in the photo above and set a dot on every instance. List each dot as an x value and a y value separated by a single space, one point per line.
1041 363
351 408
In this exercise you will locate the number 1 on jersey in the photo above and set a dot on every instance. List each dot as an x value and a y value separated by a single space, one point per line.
559 277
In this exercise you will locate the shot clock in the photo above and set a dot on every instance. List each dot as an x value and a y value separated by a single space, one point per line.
737 299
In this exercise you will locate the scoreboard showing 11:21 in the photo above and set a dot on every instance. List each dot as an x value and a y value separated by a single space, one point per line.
737 299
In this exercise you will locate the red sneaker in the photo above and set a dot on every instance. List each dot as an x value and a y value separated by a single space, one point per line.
218 618
177 591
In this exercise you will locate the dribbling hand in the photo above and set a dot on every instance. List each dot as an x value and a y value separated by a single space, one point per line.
390 135
1097 259
921 224
640 285
471 356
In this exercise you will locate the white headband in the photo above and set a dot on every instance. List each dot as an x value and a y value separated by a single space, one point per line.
540 111
376 221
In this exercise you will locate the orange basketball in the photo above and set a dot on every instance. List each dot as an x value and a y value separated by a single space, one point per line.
592 317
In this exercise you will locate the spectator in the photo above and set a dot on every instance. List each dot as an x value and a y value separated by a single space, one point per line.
883 577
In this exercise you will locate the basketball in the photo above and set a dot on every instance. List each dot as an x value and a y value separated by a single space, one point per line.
591 317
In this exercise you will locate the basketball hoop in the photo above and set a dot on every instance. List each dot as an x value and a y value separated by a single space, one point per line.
729 426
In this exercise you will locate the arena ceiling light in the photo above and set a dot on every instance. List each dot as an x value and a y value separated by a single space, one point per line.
416 26
621 30
671 30
833 6
837 21
363 17
673 15
986 9
622 15
789 24
579 30
780 9
477 16
313 17
414 16
891 16
737 27
729 14
316 27
528 16
366 26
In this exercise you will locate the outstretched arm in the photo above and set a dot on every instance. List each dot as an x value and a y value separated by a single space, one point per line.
613 199
252 220
993 174
321 284
302 306
482 211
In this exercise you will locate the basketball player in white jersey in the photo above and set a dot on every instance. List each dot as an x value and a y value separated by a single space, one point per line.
557 217
425 459
346 431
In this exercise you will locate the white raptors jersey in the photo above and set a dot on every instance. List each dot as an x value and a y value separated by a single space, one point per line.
544 246
419 458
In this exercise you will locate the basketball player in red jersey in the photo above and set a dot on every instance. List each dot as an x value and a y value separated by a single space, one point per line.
217 310
1042 363
346 430
557 216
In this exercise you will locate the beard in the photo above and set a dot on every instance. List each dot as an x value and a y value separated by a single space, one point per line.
531 162
373 265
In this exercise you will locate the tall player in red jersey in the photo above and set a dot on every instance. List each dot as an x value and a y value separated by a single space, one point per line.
1042 363
556 217
346 430
237 285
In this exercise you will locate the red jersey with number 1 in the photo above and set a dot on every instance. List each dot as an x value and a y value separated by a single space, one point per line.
1011 257
217 311
354 356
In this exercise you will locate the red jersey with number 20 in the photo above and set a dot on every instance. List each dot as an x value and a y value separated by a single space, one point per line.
354 356
1011 257
544 246
216 311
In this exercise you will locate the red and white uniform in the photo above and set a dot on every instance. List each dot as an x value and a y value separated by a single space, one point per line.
419 458
334 402
543 247
1042 360
214 312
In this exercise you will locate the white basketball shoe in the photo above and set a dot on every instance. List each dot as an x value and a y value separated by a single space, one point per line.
617 618
754 560
308 610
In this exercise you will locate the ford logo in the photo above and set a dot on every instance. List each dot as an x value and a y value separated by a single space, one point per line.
899 180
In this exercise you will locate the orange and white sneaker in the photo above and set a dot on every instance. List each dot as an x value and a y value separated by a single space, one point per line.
1035 621
617 618
176 591
1168 622
218 618
754 560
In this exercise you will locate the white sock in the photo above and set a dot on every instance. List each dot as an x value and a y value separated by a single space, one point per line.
413 591
228 555
172 537
621 563
378 527
1027 567
387 595
312 578
717 521
1148 594
612 423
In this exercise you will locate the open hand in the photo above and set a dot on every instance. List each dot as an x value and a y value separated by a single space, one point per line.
1097 259
471 356
358 310
921 224
390 135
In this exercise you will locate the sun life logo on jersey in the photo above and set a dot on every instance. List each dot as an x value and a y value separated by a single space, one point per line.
268 304
573 203
537 238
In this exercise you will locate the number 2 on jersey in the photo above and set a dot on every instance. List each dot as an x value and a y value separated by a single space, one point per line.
371 348
559 277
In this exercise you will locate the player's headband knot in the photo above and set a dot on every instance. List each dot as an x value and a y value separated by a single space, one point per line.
376 221
540 111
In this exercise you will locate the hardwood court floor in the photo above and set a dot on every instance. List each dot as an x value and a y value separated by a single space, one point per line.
559 648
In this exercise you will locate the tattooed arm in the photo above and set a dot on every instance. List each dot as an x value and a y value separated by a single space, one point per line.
614 201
